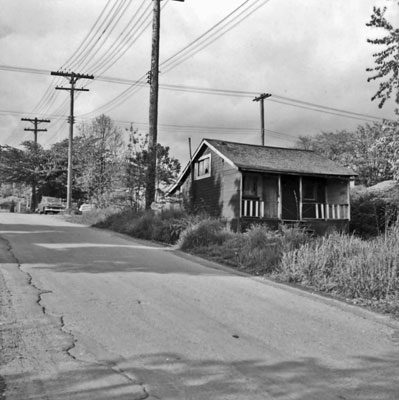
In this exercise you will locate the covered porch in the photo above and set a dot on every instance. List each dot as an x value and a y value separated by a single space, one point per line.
284 197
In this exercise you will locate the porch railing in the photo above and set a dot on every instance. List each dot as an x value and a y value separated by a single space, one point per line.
325 211
255 208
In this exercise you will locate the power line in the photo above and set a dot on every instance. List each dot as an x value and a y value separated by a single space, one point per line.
123 43
127 93
85 40
212 35
289 101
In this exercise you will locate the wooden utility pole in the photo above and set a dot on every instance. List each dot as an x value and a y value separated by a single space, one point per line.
153 79
261 98
35 130
73 78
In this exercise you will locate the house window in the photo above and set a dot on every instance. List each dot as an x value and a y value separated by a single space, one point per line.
203 167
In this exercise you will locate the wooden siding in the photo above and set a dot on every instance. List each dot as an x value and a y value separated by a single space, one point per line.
208 191
231 193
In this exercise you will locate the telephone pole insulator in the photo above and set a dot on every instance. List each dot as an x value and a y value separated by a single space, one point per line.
73 78
261 98
149 77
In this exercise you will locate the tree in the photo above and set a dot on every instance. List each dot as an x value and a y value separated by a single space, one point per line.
386 60
58 168
136 167
362 150
26 166
387 145
101 147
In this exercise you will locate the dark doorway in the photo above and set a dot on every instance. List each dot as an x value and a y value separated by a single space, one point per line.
290 197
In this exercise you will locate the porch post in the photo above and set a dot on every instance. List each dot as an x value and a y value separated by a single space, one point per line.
326 201
348 190
240 203
279 199
300 198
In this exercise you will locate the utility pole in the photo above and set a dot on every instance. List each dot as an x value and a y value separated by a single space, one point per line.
153 80
35 122
35 130
261 98
73 78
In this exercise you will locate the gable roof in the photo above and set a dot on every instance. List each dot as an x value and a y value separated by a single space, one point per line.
277 159
258 158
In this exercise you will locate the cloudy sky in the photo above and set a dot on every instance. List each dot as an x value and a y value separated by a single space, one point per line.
216 56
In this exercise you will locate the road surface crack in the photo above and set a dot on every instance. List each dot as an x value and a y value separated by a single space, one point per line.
61 326
40 293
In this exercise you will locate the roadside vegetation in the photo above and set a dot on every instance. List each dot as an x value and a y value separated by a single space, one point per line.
358 270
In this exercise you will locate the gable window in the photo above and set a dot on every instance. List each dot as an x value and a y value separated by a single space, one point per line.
203 167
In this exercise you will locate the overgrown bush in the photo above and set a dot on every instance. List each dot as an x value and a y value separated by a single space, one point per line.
262 248
164 227
372 213
204 233
346 265
258 250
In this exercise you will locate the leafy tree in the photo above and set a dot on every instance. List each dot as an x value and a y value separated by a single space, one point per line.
24 166
135 168
58 169
387 145
101 148
386 60
362 150
167 170
136 165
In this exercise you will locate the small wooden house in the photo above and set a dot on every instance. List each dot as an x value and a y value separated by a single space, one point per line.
245 184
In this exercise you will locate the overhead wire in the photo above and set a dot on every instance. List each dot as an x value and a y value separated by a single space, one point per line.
47 99
88 48
216 91
104 30
123 43
85 41
127 41
130 91
222 27
217 32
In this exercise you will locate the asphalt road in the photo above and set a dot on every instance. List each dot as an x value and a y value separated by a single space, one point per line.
89 314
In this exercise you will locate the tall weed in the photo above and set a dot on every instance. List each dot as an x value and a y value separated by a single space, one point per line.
204 233
346 265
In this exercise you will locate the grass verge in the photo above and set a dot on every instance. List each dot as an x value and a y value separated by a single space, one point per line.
363 272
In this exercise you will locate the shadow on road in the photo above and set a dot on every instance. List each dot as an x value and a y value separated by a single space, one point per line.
171 376
76 250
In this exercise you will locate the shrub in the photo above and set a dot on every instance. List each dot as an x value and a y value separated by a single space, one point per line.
346 265
204 233
262 248
372 213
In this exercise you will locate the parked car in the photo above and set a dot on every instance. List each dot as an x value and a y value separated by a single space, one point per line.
51 205
86 207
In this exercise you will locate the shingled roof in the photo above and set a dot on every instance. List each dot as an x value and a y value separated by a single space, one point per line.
277 159
255 158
